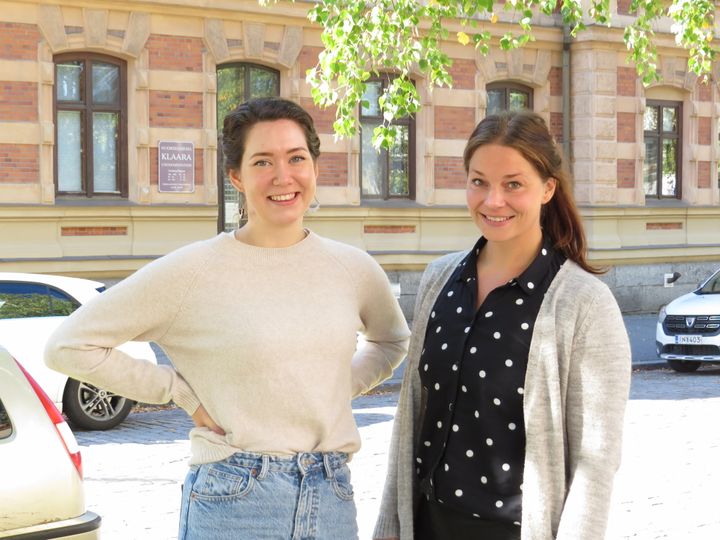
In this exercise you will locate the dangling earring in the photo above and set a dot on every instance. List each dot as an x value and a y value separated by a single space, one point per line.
314 205
241 214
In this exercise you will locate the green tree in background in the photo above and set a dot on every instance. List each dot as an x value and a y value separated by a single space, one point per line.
364 38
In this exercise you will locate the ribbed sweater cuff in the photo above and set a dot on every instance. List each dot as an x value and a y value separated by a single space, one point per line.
387 526
184 396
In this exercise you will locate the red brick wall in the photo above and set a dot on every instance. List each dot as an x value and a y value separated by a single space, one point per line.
623 7
626 127
626 79
308 58
556 126
663 226
704 131
19 164
389 229
18 101
333 169
449 173
626 173
93 231
703 174
454 122
463 74
704 91
555 81
175 53
199 178
176 109
323 118
19 41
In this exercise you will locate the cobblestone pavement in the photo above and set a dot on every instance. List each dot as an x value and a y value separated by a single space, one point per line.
667 487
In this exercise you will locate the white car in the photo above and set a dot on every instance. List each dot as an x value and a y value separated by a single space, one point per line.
688 328
31 307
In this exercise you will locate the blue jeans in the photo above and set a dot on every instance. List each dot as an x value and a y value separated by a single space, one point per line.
252 496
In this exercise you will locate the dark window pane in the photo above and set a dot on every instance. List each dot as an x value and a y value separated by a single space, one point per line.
650 119
19 300
670 119
6 428
263 83
371 95
105 137
69 81
69 149
105 84
372 164
650 166
669 165
518 100
496 101
230 90
60 303
399 181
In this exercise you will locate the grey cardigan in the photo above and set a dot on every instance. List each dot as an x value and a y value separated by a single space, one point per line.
576 389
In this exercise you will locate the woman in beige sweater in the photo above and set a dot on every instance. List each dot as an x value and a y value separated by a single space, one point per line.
261 325
510 416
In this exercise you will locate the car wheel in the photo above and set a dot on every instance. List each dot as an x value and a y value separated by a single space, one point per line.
683 366
88 407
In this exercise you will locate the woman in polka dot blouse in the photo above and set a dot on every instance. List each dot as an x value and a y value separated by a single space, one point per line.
510 417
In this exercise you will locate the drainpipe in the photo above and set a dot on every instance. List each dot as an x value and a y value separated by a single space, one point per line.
566 94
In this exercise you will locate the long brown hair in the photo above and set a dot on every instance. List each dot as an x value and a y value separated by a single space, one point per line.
528 133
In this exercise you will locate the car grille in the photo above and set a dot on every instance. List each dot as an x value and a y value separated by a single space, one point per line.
706 325
692 350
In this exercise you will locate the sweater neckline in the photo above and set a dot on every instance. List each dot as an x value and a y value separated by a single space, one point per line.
234 244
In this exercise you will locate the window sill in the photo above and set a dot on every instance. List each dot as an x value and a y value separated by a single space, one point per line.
665 203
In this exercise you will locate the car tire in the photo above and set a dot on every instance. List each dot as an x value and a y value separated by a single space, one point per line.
684 366
88 407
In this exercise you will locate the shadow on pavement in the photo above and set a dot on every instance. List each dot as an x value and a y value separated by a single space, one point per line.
665 384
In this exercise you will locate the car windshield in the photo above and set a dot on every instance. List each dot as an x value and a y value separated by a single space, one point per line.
712 286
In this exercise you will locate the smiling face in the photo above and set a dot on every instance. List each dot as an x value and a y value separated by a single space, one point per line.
277 175
505 195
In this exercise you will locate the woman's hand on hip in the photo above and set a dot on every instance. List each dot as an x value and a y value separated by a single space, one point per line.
201 418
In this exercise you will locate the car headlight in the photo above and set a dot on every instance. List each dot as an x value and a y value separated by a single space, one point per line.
662 315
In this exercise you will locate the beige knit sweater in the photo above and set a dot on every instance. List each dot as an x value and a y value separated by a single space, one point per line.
264 338
576 389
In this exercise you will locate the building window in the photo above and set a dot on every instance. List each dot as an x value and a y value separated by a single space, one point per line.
90 126
508 97
661 168
237 83
385 174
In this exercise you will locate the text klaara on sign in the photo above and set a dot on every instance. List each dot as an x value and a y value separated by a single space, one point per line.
176 167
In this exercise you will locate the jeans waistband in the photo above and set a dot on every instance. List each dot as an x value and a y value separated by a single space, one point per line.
303 462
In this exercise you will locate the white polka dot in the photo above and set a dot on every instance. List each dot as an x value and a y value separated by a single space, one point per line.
519 301
496 401
437 330
531 285
489 441
444 346
521 390
454 367
499 504
459 310
468 280
440 501
483 479
512 426
544 251
524 326
469 453
488 314
496 335
418 460
450 293
432 315
439 424
463 388
505 467
482 374
516 523
473 350
447 467
477 414
475 515
437 386
455 427
467 329
427 443
417 470
508 362
425 367
458 492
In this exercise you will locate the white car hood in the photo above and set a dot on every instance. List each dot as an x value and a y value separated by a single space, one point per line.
695 304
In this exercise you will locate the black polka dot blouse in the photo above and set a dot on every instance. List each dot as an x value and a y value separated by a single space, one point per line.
472 441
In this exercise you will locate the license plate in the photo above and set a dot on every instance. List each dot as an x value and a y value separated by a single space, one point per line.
689 340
